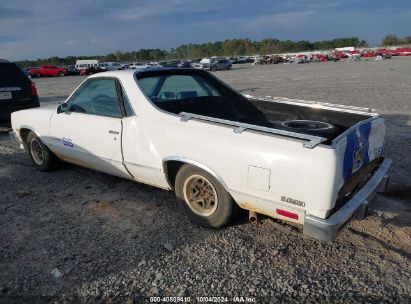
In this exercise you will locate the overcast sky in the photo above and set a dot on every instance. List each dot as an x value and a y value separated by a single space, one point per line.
43 28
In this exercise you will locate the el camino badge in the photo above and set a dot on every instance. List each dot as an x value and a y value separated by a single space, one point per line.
67 142
292 201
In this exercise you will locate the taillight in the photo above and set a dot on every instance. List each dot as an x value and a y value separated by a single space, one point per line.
33 89
289 214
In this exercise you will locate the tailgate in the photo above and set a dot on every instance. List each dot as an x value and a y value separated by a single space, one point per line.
357 148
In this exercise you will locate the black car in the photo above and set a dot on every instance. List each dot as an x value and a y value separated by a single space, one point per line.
17 91
72 70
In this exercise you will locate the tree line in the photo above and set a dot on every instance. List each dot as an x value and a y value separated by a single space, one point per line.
392 39
228 48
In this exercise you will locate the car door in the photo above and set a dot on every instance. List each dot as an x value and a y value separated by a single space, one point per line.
88 132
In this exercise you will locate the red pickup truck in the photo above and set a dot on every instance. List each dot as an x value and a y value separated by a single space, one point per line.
49 70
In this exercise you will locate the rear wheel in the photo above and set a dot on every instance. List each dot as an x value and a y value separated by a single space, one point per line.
214 68
203 198
61 74
42 157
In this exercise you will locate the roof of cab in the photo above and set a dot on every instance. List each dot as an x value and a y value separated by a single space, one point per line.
122 73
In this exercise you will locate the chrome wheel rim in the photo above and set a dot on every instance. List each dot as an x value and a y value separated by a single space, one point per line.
36 151
200 195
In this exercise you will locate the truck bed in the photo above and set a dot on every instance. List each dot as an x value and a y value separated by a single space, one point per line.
322 121
276 113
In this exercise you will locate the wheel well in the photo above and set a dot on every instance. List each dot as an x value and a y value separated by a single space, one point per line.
23 134
171 168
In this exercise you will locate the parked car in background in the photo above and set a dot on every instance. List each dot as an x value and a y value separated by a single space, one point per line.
353 53
139 65
203 64
383 53
213 64
392 52
89 70
110 66
369 54
184 64
49 70
72 70
17 91
82 63
404 51
169 64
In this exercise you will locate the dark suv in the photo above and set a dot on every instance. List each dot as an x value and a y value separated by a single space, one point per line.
17 91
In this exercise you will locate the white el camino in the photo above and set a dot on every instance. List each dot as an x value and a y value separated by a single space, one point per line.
313 165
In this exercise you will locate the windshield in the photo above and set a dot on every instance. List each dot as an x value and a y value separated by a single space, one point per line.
197 92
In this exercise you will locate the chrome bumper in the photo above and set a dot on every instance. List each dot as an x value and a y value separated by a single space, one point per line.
328 229
15 138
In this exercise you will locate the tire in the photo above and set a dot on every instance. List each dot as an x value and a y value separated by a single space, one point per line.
214 68
42 157
60 74
214 211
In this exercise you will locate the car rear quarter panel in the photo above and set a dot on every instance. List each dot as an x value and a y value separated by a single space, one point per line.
306 175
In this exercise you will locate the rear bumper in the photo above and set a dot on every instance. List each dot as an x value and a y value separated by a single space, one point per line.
328 229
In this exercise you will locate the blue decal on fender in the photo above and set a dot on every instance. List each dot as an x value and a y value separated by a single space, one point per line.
67 142
356 151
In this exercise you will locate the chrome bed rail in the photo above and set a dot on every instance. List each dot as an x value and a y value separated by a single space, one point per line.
310 140
315 104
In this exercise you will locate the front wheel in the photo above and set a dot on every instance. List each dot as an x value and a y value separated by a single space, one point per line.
42 157
203 198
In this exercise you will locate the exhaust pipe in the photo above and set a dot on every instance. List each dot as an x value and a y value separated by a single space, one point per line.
252 216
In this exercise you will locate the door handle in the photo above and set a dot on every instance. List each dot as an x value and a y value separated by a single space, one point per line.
113 132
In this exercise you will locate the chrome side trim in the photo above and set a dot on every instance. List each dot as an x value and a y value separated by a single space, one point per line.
328 229
143 166
311 140
316 104
194 163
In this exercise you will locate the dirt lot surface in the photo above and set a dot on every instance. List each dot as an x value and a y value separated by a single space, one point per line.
77 235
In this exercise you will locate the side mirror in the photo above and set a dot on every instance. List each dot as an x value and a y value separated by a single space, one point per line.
62 108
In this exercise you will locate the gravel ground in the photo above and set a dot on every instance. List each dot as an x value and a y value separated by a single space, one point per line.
78 235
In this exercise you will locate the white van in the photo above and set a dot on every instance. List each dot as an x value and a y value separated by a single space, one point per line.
110 66
81 64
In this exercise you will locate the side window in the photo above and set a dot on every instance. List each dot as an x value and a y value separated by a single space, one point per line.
177 87
149 84
185 87
96 97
